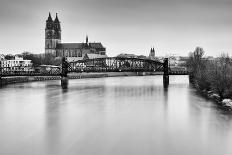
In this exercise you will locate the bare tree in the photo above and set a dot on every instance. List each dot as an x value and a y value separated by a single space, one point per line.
221 76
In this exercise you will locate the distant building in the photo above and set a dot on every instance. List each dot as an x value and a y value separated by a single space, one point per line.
73 51
92 56
177 61
16 64
152 53
210 58
142 57
124 55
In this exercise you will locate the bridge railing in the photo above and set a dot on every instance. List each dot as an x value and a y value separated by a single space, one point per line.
180 72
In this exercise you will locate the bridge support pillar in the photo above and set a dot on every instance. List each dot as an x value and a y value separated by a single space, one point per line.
64 82
166 73
64 74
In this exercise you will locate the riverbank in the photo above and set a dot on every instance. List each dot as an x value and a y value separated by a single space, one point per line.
20 79
225 104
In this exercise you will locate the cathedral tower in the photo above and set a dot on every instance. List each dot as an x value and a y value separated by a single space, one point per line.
152 53
52 35
57 30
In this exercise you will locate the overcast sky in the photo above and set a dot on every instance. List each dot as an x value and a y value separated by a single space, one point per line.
129 26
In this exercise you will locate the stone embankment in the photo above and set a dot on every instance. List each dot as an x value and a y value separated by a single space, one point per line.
19 79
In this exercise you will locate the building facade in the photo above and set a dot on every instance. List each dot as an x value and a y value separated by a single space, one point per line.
73 51
16 64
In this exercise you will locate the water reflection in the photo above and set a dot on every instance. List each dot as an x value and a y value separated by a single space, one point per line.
123 115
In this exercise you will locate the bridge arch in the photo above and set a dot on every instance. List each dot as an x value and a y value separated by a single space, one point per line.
115 64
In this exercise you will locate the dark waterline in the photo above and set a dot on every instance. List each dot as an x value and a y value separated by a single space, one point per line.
111 116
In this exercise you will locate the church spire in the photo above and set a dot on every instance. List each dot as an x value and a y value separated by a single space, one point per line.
151 49
49 22
49 17
152 53
86 39
57 23
56 19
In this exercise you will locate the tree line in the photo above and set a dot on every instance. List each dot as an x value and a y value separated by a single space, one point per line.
211 75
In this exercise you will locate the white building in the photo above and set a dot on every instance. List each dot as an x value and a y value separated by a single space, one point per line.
18 64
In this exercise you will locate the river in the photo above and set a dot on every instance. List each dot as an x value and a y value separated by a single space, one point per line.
111 116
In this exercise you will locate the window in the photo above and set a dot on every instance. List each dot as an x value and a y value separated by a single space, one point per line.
57 53
80 54
66 53
103 53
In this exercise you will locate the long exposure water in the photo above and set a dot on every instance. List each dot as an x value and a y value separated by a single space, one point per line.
111 116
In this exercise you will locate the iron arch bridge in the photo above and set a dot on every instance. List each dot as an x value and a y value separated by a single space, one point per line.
115 64
109 64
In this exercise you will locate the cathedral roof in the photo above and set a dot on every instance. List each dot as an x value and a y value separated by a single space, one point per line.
96 45
79 45
70 45
93 56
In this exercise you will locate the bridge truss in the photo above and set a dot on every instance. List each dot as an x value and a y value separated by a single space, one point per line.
115 64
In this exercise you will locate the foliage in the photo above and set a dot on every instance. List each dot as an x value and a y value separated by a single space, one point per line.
9 57
41 59
220 75
50 59
36 59
215 75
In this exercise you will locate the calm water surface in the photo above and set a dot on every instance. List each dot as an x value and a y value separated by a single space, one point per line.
111 116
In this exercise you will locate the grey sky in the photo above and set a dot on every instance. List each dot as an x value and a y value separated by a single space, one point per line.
131 26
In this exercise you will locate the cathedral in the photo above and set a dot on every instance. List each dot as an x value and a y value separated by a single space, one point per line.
152 53
73 51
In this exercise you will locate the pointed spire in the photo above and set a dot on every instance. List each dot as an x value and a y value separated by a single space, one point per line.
151 49
49 17
49 22
57 23
56 19
87 39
